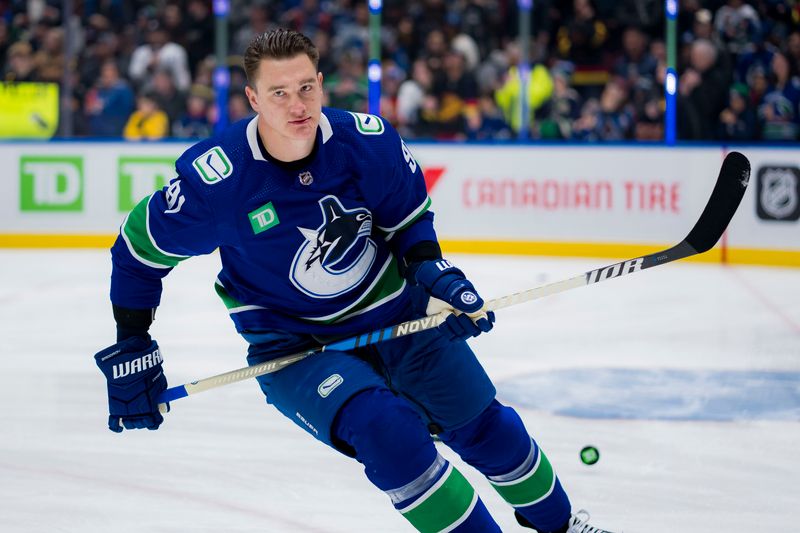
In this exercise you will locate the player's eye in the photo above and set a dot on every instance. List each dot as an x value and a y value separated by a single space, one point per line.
305 88
279 93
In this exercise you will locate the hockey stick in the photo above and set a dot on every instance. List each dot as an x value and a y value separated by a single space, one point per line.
725 198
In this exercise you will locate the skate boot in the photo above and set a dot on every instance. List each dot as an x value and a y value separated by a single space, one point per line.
578 523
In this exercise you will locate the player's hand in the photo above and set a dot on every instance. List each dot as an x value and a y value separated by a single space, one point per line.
444 281
135 378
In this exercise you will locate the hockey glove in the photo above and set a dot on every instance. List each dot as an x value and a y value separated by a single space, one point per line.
135 379
444 281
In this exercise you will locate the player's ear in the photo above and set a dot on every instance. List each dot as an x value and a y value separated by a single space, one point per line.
251 97
319 78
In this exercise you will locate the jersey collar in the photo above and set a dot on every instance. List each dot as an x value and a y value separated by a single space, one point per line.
252 135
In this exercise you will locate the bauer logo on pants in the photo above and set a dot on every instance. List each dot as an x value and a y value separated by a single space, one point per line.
778 193
331 382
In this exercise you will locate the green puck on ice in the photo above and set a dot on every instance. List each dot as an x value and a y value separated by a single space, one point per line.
590 455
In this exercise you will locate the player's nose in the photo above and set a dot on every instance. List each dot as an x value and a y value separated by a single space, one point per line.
297 108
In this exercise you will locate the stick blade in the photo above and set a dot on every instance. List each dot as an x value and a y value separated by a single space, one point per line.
725 199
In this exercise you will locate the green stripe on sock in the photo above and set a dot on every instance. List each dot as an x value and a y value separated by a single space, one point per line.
443 505
531 487
135 230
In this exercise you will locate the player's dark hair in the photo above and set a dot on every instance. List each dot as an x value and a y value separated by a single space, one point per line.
277 44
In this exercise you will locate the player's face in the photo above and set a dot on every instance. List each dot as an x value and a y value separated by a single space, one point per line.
288 98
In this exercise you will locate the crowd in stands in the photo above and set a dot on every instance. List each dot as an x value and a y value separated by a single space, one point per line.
144 69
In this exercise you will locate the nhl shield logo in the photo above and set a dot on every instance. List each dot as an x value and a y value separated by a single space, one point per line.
306 178
778 193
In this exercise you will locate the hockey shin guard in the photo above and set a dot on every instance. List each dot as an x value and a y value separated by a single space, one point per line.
498 445
391 441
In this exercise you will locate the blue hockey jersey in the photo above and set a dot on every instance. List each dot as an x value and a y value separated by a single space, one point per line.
308 250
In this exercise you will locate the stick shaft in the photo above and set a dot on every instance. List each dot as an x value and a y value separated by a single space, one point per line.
708 229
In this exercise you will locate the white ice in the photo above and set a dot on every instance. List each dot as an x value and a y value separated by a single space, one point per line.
224 461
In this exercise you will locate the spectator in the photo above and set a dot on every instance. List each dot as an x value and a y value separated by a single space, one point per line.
582 41
392 77
737 122
607 120
199 35
411 95
760 55
347 87
779 112
563 108
204 72
739 26
238 107
702 28
195 123
103 47
540 89
175 26
650 122
434 51
109 104
259 21
148 122
308 16
5 40
326 64
645 14
478 22
169 98
467 47
352 33
49 60
485 122
703 88
635 62
793 52
457 92
159 53
758 83
20 63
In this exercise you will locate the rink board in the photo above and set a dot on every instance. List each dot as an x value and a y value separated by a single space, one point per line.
590 201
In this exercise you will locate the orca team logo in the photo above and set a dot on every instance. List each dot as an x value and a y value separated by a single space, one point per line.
337 255
778 193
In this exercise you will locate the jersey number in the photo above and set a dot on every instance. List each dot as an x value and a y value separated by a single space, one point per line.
410 161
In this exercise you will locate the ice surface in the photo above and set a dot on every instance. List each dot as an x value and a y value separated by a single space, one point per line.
719 347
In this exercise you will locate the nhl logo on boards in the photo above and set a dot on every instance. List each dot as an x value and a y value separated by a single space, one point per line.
306 178
778 193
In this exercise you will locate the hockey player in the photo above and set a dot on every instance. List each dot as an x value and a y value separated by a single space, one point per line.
323 227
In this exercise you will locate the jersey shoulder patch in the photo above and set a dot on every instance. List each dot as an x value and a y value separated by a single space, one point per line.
367 124
215 160
213 165
353 124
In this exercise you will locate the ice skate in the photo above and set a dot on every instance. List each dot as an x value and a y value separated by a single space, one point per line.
578 523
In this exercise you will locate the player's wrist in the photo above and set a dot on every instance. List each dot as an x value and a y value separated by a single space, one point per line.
133 322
